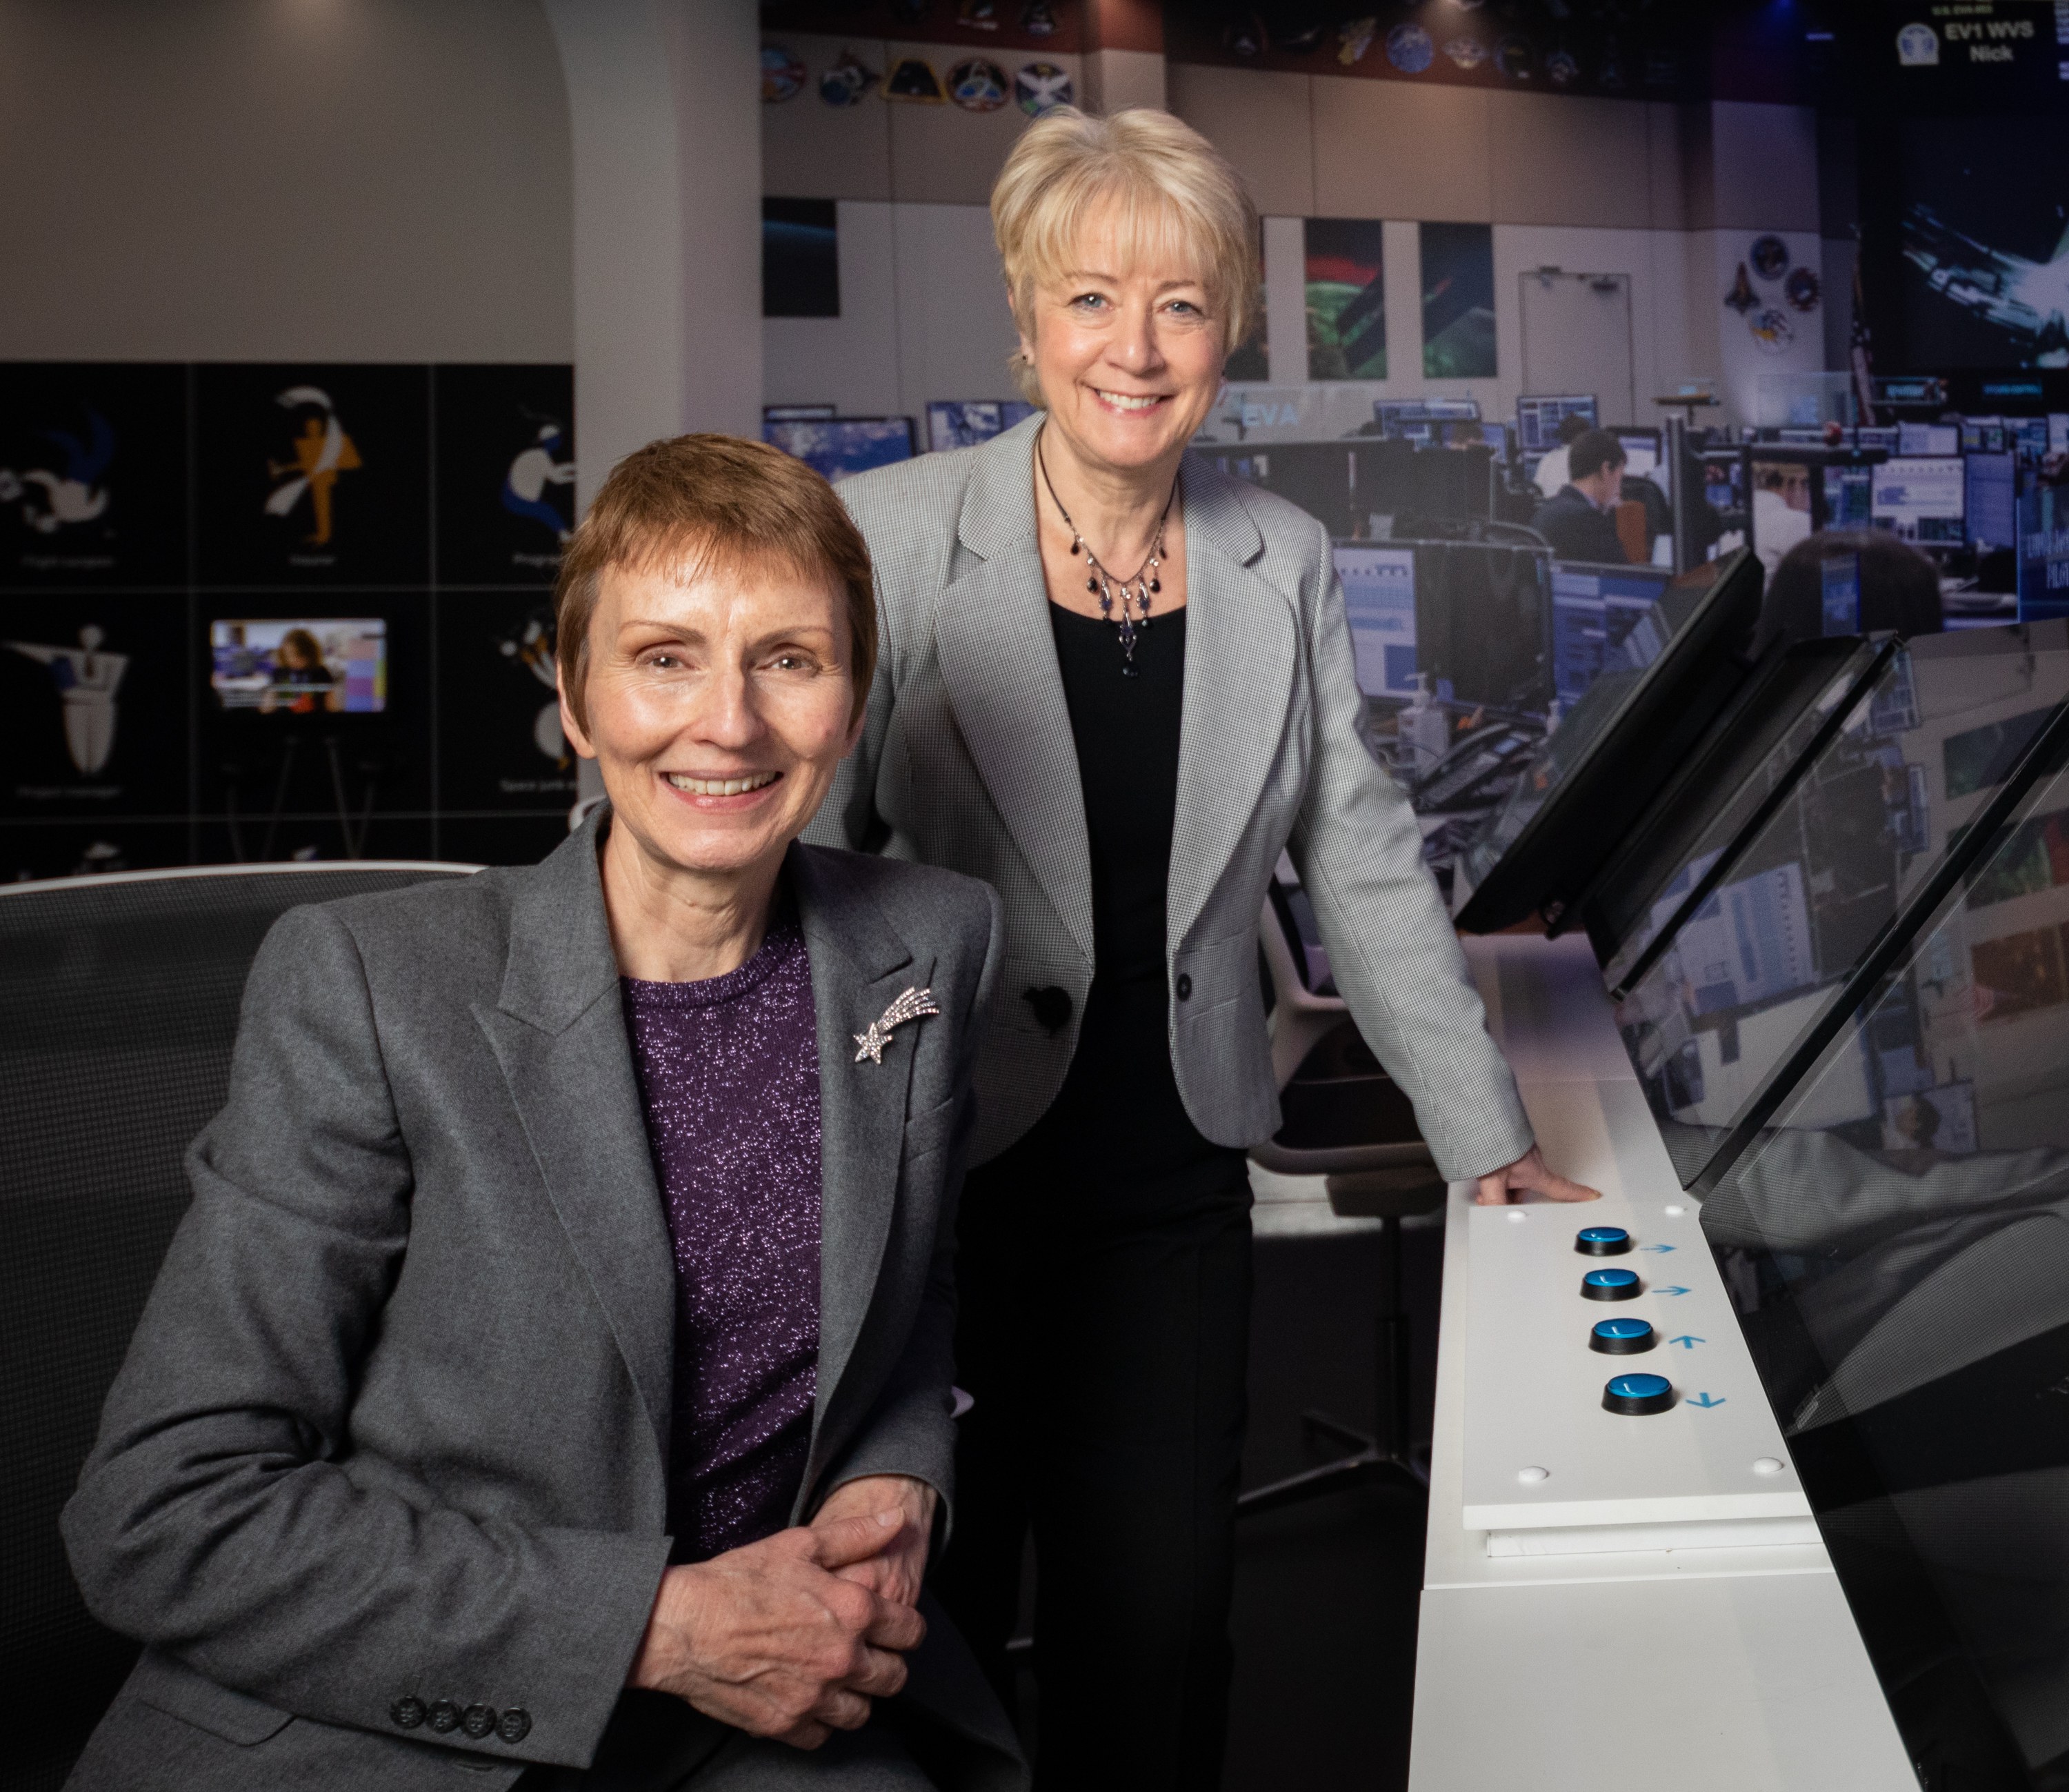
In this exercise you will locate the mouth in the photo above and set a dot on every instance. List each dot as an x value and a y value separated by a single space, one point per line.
1130 404
745 784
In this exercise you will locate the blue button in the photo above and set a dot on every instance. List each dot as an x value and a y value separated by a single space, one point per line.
1610 1284
1638 1387
1602 1241
1621 1328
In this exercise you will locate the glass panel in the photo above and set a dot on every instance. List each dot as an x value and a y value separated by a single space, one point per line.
1897 1244
1921 755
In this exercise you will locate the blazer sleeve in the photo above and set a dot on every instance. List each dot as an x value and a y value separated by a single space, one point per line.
911 1430
223 1515
1394 951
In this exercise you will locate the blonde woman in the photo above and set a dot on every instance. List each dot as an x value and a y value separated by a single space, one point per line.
1115 685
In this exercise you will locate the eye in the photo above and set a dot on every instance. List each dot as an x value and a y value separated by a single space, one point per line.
1090 301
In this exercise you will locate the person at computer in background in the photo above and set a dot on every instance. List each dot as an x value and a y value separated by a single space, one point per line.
1781 510
1579 521
1899 587
1552 467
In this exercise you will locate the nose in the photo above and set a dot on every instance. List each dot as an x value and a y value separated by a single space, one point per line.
726 714
1134 345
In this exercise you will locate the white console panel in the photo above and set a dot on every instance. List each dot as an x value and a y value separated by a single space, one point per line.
1653 1596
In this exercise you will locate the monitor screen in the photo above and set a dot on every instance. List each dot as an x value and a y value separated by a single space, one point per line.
2029 438
1920 497
300 668
1849 496
1675 669
1982 435
850 445
1594 610
2058 432
1495 436
963 424
1889 438
1537 420
1641 452
1712 1026
1928 438
1896 1241
1839 589
1990 499
797 414
1379 598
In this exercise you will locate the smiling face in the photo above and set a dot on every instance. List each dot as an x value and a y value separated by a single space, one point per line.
1129 349
719 704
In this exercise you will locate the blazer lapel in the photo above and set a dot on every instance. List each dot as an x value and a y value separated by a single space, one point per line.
1241 647
998 659
859 967
558 1031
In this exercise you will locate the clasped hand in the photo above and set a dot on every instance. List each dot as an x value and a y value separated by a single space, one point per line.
795 1635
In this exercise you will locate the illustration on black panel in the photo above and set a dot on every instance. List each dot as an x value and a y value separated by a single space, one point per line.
87 680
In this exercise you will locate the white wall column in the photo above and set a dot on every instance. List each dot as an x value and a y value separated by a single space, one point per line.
663 99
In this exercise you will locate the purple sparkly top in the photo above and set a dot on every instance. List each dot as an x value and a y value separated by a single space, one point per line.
728 1070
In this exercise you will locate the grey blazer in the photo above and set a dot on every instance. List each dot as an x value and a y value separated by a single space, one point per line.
394 1424
967 761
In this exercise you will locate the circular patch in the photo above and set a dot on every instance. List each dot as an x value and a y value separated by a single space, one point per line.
1769 256
1562 68
977 85
848 82
782 75
1042 87
1409 49
1038 18
1771 329
1515 58
1802 289
1466 52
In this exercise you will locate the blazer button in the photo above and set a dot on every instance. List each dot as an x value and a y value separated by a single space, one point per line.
1185 987
443 1717
407 1713
515 1724
1051 1006
477 1720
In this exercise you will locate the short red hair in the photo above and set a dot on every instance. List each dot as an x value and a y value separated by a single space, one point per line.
695 500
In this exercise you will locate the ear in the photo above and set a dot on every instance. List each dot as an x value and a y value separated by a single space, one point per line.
577 736
1020 328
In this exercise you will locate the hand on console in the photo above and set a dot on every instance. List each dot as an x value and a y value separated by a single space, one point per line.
1530 1174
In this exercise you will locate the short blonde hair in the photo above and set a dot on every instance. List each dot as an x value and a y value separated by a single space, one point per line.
698 500
1173 195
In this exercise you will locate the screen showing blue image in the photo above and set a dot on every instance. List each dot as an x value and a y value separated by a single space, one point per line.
1921 498
2043 553
1594 610
2029 439
1992 499
1840 585
963 424
1849 493
1537 420
845 446
1379 598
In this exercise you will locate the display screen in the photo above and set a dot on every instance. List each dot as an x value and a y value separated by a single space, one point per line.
1990 499
300 668
1675 667
1594 610
1982 242
1896 1242
1379 598
1922 498
1641 452
1537 420
846 446
1839 593
1848 495
1919 756
964 425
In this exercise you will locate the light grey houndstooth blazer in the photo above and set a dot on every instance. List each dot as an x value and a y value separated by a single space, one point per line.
967 761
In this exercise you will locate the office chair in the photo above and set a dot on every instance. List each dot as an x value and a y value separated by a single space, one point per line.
1346 1120
119 999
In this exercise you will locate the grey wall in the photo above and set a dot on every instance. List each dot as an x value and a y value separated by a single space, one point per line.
385 180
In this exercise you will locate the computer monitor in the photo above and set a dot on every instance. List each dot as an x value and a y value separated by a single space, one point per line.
1982 435
798 413
1921 498
1887 437
1928 438
1379 598
1839 593
1537 419
1463 410
2058 432
2028 438
1641 452
300 666
1495 436
1848 495
1675 669
1594 610
840 448
1989 499
963 423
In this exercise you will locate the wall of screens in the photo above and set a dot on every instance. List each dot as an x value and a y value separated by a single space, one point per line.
259 612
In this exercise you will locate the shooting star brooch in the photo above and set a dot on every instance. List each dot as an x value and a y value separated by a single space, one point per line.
911 1005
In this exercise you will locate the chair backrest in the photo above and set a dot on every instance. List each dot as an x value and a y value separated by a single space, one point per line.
118 1008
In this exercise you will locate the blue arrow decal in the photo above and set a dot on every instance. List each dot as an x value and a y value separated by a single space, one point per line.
1687 1343
1669 1290
1661 1247
1704 1400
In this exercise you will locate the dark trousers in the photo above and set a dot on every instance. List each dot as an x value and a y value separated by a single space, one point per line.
1104 1335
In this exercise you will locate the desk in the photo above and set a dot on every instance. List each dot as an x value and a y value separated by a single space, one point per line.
1666 1615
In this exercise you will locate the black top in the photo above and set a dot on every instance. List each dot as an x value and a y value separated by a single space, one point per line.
1118 1118
1578 531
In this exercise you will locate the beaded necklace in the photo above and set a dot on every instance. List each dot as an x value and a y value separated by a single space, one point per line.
1134 592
